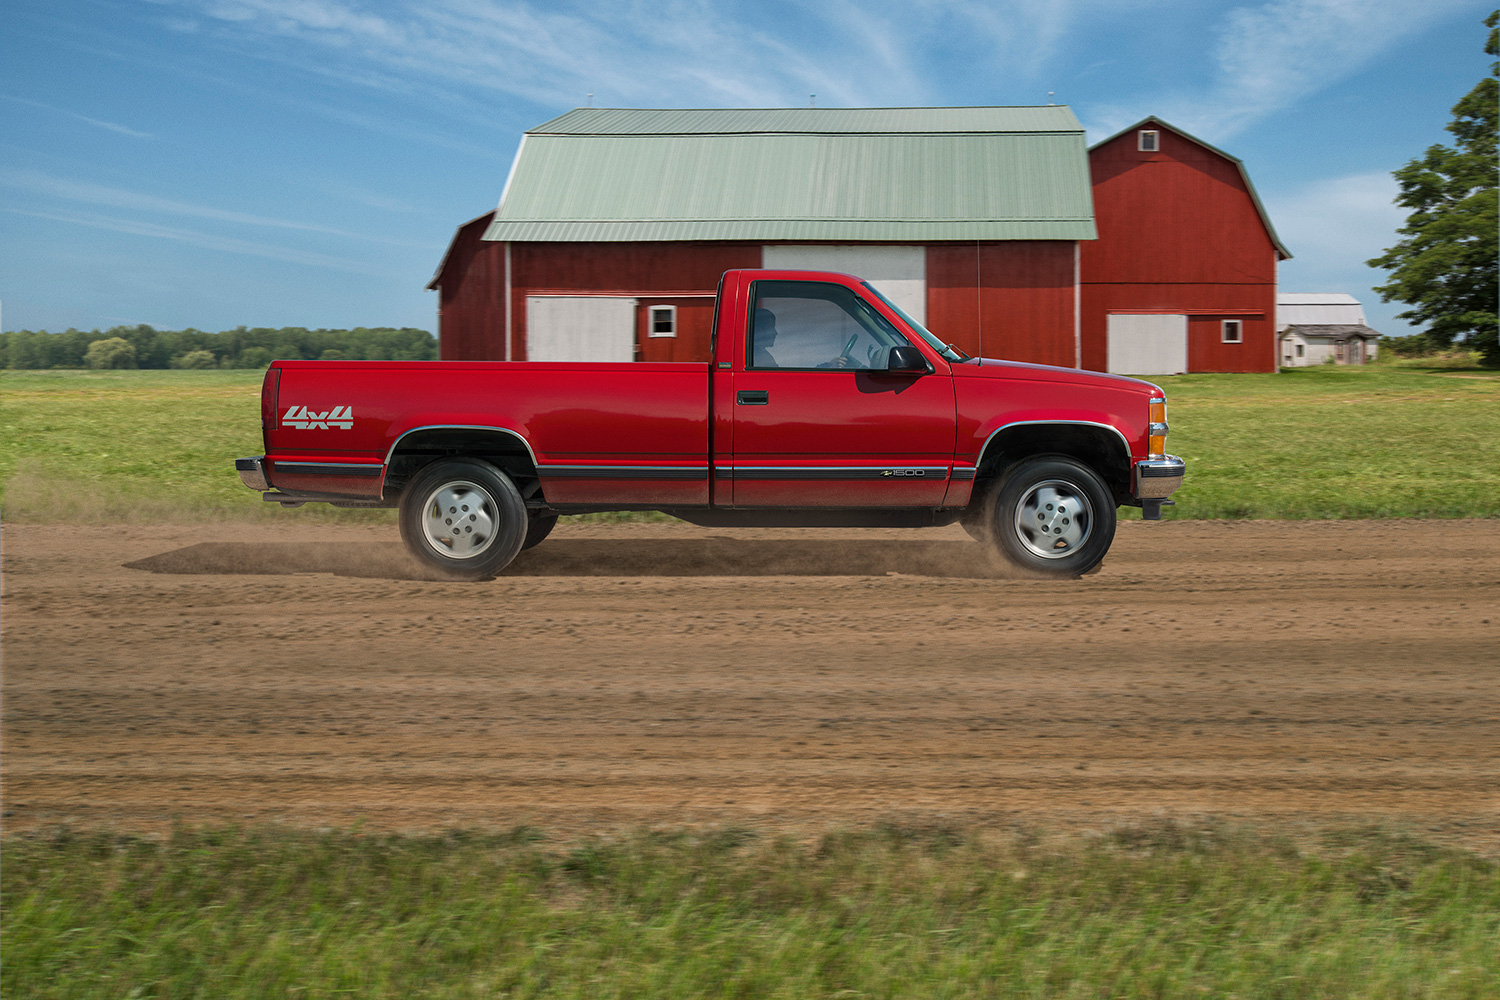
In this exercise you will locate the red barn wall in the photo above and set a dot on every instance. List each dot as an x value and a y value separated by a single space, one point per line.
471 296
1011 300
649 271
1178 233
695 327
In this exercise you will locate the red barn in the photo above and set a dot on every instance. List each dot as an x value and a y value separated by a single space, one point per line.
615 226
1183 274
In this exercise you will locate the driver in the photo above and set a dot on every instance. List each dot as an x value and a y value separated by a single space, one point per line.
765 336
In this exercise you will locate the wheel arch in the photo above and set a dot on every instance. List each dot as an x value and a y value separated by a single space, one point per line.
418 447
1100 446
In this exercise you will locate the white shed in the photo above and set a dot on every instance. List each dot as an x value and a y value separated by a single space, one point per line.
1313 328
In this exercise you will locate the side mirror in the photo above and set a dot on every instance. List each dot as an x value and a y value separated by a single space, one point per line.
906 360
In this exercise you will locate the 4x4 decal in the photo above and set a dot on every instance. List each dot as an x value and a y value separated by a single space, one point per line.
302 418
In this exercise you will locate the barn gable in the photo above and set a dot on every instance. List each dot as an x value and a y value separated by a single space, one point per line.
1115 156
1183 275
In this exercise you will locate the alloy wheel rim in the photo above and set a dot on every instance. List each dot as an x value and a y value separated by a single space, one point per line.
1054 519
458 520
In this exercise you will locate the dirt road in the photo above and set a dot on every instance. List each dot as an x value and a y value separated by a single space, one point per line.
664 674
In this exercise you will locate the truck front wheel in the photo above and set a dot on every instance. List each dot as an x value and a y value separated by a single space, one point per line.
463 518
1051 516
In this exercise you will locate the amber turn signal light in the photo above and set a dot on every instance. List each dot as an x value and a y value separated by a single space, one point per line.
1157 443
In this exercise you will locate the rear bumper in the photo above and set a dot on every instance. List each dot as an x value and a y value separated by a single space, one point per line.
1157 478
253 472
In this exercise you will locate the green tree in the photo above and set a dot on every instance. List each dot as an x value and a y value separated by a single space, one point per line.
1445 266
115 352
196 359
238 348
254 357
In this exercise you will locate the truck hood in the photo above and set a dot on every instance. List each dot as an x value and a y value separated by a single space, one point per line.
994 368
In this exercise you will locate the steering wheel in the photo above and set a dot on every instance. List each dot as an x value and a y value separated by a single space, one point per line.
834 361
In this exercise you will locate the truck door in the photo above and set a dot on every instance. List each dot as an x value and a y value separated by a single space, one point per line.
818 421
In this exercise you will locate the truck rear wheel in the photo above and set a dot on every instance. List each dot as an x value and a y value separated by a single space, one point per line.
463 518
1051 516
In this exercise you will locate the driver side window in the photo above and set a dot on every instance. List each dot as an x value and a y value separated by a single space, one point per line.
809 325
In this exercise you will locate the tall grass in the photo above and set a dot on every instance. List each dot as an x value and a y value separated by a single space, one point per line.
1330 441
1157 912
1392 440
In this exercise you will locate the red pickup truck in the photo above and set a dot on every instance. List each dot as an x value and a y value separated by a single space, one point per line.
823 405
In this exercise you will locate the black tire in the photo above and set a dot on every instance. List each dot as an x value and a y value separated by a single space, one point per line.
1052 517
537 528
483 528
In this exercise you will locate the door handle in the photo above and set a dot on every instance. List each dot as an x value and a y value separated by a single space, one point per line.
752 397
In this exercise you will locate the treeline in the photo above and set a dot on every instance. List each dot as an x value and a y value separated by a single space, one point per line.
148 347
1423 345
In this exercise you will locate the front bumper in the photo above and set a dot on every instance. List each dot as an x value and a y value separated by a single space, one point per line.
253 472
1157 478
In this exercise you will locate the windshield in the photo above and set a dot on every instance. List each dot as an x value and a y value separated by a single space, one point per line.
948 351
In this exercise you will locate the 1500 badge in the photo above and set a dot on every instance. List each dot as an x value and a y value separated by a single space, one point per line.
302 418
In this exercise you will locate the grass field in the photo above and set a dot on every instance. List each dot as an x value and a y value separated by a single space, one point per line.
133 446
1338 442
1325 442
1159 912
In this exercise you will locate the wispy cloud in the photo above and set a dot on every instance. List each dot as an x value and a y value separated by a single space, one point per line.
96 122
656 52
1354 216
542 53
1019 35
1333 226
1271 56
67 189
210 241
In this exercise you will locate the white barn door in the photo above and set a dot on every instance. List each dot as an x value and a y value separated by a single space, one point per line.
580 328
1147 344
899 272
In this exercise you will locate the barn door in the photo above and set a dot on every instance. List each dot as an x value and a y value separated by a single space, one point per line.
900 272
1154 344
580 328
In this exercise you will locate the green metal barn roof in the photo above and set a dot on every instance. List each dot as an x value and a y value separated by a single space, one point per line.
883 174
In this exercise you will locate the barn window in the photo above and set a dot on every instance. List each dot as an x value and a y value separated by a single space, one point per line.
1301 352
1233 331
662 321
1150 140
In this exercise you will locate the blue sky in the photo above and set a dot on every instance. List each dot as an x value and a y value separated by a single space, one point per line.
211 163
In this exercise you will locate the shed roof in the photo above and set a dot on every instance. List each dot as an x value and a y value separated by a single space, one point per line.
865 174
1318 309
1315 299
1330 331
1265 217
